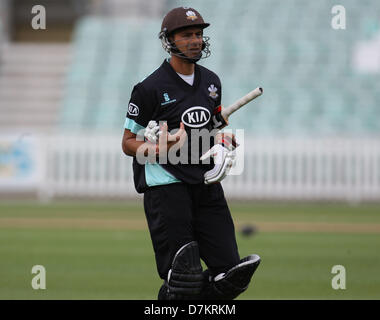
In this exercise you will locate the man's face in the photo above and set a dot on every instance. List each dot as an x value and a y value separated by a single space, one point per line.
189 41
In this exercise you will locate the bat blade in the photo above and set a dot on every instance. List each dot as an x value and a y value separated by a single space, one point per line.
226 112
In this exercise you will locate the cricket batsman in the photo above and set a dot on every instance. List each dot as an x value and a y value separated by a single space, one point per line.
185 207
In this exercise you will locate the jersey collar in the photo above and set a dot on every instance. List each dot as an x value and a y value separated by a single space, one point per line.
173 74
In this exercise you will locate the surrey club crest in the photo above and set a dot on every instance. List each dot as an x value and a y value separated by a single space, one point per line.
212 89
191 15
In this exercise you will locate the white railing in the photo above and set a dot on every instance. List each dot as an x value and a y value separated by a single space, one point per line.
309 169
87 165
299 169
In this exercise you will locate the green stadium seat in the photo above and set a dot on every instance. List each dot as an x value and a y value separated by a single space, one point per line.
288 47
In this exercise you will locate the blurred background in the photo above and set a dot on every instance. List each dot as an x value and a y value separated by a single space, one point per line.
312 138
314 134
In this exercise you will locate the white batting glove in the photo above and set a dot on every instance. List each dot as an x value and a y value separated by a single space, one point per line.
152 131
224 159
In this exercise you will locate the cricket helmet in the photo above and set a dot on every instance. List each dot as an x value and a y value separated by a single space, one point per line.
178 19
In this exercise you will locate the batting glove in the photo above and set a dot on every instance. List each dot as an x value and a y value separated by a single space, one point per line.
152 132
224 156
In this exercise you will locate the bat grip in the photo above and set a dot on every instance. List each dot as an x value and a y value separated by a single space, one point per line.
226 112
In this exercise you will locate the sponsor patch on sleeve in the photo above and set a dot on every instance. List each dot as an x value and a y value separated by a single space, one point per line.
133 110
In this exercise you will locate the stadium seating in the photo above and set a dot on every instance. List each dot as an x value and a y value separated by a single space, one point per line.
31 82
310 85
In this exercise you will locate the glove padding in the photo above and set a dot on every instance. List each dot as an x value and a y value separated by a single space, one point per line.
224 159
152 132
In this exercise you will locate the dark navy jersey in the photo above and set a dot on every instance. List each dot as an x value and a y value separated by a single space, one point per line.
165 96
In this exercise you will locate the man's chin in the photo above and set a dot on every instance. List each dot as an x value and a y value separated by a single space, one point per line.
194 55
191 57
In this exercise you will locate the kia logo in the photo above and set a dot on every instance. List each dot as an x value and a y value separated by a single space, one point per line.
196 117
133 110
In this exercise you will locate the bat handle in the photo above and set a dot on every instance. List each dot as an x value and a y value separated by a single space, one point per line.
226 112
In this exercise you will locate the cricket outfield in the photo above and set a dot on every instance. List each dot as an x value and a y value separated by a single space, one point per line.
102 250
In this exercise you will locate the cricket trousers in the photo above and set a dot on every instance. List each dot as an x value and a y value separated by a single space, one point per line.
179 213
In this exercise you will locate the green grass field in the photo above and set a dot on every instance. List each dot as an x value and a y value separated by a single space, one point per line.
103 250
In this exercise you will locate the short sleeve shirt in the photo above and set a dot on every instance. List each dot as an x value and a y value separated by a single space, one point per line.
165 96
